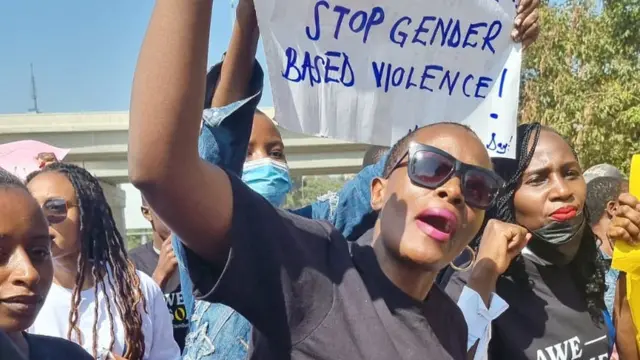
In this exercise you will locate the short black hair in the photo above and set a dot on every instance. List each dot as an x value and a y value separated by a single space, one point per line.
373 155
600 191
8 180
399 149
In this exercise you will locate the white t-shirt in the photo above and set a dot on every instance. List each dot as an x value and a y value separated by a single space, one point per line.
53 320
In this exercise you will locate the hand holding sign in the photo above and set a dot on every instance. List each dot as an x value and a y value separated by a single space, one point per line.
625 226
355 71
526 23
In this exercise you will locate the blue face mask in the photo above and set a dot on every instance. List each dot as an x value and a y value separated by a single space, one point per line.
268 178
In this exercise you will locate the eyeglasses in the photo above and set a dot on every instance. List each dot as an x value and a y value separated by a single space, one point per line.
56 209
430 167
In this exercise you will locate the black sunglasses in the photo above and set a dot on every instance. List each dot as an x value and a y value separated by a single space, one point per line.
56 209
430 167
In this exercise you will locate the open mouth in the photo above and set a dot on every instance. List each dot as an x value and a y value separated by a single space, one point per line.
439 224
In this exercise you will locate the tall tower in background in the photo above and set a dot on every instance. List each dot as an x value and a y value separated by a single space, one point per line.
34 93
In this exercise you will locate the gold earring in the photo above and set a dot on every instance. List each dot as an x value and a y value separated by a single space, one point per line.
469 264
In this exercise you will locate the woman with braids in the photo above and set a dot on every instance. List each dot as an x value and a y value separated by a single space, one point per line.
26 272
97 299
555 288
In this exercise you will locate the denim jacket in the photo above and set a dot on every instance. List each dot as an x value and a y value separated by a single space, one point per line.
217 331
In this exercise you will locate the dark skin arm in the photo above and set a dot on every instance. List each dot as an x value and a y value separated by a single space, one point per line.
500 244
166 106
237 67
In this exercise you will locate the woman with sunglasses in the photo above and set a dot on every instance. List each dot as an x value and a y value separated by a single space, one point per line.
555 289
308 292
97 299
26 272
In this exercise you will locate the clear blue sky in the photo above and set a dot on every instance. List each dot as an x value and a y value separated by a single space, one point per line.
83 52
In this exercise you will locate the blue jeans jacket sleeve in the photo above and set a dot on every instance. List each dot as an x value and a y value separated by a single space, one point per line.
349 210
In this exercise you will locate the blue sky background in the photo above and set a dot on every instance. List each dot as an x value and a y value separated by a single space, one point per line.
83 52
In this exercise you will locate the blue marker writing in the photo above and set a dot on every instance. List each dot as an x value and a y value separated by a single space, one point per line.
502 77
498 147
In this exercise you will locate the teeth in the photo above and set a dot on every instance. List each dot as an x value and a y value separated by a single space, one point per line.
447 227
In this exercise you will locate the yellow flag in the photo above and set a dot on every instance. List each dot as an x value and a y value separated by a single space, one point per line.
627 258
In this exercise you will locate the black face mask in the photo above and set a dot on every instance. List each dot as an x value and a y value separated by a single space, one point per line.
558 242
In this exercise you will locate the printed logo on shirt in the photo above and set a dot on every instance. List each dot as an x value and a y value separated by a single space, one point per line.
178 311
570 349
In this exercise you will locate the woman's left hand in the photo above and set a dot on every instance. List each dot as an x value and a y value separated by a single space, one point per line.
625 225
526 25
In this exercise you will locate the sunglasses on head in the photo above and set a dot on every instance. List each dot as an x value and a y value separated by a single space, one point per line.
430 167
55 210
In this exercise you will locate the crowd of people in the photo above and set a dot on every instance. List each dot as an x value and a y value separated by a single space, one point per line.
433 251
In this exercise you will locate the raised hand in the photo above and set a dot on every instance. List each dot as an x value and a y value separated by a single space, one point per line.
167 264
500 243
625 225
526 25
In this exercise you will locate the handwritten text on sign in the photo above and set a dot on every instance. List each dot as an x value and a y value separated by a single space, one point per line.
355 71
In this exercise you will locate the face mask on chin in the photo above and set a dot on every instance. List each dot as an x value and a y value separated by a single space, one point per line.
558 242
268 178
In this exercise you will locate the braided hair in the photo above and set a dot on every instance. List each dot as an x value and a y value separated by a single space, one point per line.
588 267
103 254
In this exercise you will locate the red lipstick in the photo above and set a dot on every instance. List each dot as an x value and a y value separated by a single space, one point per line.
564 213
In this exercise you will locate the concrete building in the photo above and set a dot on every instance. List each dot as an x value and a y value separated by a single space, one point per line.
98 142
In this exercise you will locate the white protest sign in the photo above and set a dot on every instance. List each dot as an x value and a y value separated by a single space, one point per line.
364 72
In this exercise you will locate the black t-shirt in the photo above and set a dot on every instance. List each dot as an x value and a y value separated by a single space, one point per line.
312 295
547 321
51 348
145 258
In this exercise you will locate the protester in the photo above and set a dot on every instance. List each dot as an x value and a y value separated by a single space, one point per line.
97 299
227 133
555 290
26 272
602 197
276 232
158 260
602 170
226 136
602 202
283 244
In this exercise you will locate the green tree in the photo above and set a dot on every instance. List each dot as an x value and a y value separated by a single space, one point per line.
311 188
582 77
135 239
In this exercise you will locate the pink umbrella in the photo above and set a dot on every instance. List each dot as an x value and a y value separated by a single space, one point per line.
24 157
